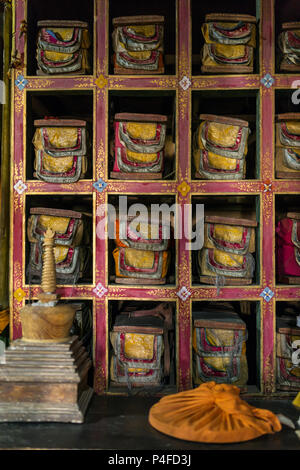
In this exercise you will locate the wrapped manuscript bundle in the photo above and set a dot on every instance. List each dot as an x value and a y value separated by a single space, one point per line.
288 248
142 346
139 146
226 257
289 44
220 147
138 43
71 242
288 371
60 150
230 41
62 47
142 256
288 146
219 346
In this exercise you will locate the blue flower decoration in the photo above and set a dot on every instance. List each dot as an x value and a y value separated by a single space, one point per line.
100 185
267 294
21 82
267 80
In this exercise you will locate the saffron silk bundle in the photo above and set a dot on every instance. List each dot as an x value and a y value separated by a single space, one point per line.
212 413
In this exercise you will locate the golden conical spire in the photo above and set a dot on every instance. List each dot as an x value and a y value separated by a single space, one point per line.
49 274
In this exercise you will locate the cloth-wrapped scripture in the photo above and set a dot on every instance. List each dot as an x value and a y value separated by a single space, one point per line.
219 346
61 147
288 146
62 47
142 251
227 253
288 248
138 43
289 44
287 342
71 243
229 43
142 344
139 145
220 146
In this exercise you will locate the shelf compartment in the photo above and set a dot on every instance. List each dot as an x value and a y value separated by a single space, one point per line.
62 105
198 12
249 313
56 10
145 102
128 205
237 207
286 238
140 341
78 203
238 104
167 9
287 344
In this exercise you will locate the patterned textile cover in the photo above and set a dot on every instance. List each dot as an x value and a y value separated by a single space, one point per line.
230 41
228 246
289 45
71 245
288 373
220 148
288 245
62 47
219 346
288 145
142 345
138 43
143 250
139 142
60 150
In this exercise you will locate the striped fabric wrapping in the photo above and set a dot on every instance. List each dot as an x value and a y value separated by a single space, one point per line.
287 343
220 148
138 43
142 252
288 146
139 143
62 47
71 247
288 247
227 253
229 43
219 346
61 148
289 45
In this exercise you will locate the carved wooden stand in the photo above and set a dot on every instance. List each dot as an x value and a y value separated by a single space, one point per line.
45 374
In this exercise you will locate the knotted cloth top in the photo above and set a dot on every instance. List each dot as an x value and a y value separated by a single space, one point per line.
212 413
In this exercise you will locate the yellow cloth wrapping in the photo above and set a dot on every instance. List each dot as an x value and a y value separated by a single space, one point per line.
229 233
4 319
212 413
59 137
141 259
296 402
233 52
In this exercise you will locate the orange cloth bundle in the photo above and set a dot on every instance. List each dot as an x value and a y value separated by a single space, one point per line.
211 413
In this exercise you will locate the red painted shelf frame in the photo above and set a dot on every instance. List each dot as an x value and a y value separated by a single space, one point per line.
183 187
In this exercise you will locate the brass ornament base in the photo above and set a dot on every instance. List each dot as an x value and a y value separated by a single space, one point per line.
53 323
45 382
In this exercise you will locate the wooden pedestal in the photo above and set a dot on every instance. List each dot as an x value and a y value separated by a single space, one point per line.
138 281
45 381
228 281
289 279
135 176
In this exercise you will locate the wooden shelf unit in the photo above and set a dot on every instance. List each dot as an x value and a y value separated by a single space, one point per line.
262 184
